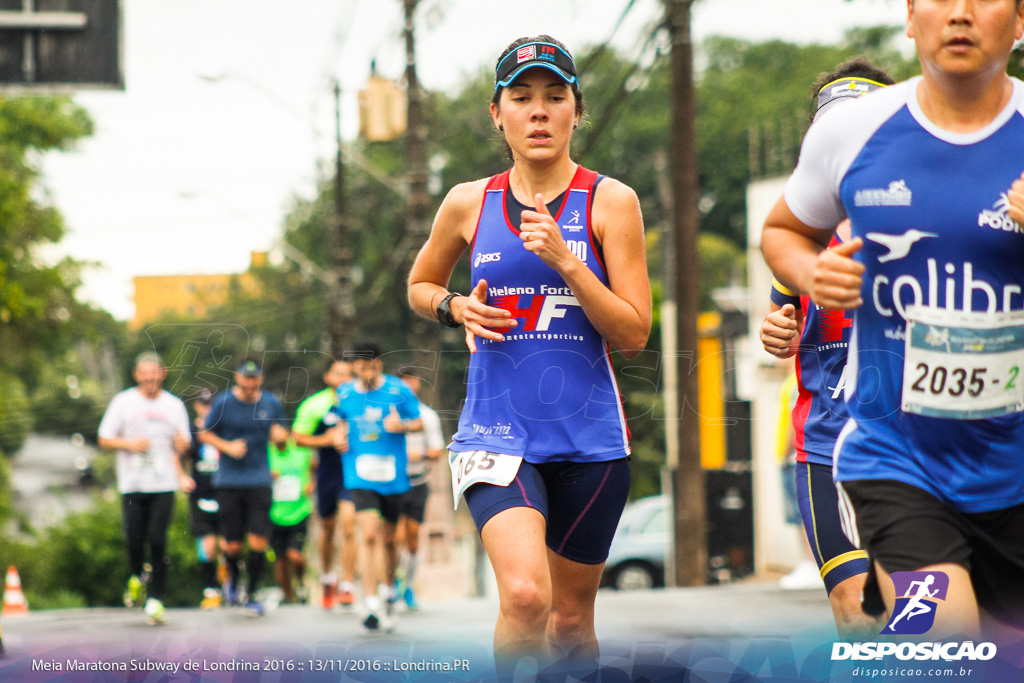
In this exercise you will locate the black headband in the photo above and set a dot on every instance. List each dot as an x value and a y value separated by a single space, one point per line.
547 55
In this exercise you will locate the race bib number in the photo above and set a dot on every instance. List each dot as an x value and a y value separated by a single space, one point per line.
481 467
287 488
209 459
376 468
963 366
148 463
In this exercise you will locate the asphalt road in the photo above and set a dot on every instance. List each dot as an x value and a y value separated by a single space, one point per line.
318 644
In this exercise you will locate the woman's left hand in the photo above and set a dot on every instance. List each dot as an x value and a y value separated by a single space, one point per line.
542 236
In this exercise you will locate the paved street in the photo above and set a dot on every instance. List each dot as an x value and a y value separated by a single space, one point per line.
309 638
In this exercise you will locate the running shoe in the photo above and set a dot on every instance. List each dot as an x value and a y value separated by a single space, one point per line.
133 594
211 599
255 608
156 612
346 594
232 594
410 599
327 594
372 613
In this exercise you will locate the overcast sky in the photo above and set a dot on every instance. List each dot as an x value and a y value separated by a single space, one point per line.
187 174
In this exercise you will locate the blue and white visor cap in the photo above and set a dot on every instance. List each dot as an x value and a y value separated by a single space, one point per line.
841 89
527 56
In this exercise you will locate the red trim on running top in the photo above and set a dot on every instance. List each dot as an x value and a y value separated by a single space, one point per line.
802 405
505 188
594 247
493 184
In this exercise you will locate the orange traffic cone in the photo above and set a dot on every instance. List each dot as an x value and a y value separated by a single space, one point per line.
15 604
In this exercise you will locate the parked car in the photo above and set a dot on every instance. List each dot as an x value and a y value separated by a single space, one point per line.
636 559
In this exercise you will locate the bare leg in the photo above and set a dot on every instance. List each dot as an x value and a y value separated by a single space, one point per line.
851 621
371 551
571 622
327 544
349 549
514 540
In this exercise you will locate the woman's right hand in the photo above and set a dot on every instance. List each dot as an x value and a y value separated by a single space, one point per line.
479 318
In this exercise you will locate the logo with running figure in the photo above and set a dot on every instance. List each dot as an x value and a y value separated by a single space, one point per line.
897 194
917 598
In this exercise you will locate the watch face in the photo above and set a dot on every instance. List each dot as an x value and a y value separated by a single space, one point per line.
444 311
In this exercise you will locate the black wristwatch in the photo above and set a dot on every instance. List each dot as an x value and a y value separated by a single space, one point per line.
444 311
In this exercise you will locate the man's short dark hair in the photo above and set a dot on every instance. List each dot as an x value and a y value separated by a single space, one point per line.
363 351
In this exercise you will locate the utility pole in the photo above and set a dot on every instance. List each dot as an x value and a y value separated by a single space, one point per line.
424 339
341 309
688 481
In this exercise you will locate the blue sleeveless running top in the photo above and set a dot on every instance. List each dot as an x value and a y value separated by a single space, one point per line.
820 411
547 392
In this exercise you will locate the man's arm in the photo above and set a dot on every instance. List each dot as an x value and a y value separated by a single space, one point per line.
139 445
235 449
795 252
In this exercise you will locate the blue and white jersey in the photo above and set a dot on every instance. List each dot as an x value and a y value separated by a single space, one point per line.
931 208
375 459
548 391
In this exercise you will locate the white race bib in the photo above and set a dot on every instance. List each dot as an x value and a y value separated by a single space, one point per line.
287 488
377 468
148 463
963 365
481 467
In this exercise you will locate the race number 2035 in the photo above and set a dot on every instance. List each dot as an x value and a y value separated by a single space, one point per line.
481 467
963 366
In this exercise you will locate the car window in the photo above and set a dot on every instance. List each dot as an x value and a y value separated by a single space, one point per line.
658 522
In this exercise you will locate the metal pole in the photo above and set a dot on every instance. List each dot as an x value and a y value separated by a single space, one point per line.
688 499
424 339
341 311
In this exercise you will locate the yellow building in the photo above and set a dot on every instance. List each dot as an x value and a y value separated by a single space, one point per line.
187 295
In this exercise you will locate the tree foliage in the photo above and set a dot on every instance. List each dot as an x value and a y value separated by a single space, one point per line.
41 321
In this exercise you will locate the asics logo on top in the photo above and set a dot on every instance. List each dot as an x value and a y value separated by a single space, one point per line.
998 217
898 245
897 194
493 257
917 600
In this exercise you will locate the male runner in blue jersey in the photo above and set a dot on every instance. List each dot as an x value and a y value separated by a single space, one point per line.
380 410
929 461
820 413
241 424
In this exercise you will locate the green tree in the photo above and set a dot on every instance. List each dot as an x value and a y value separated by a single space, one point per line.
41 322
